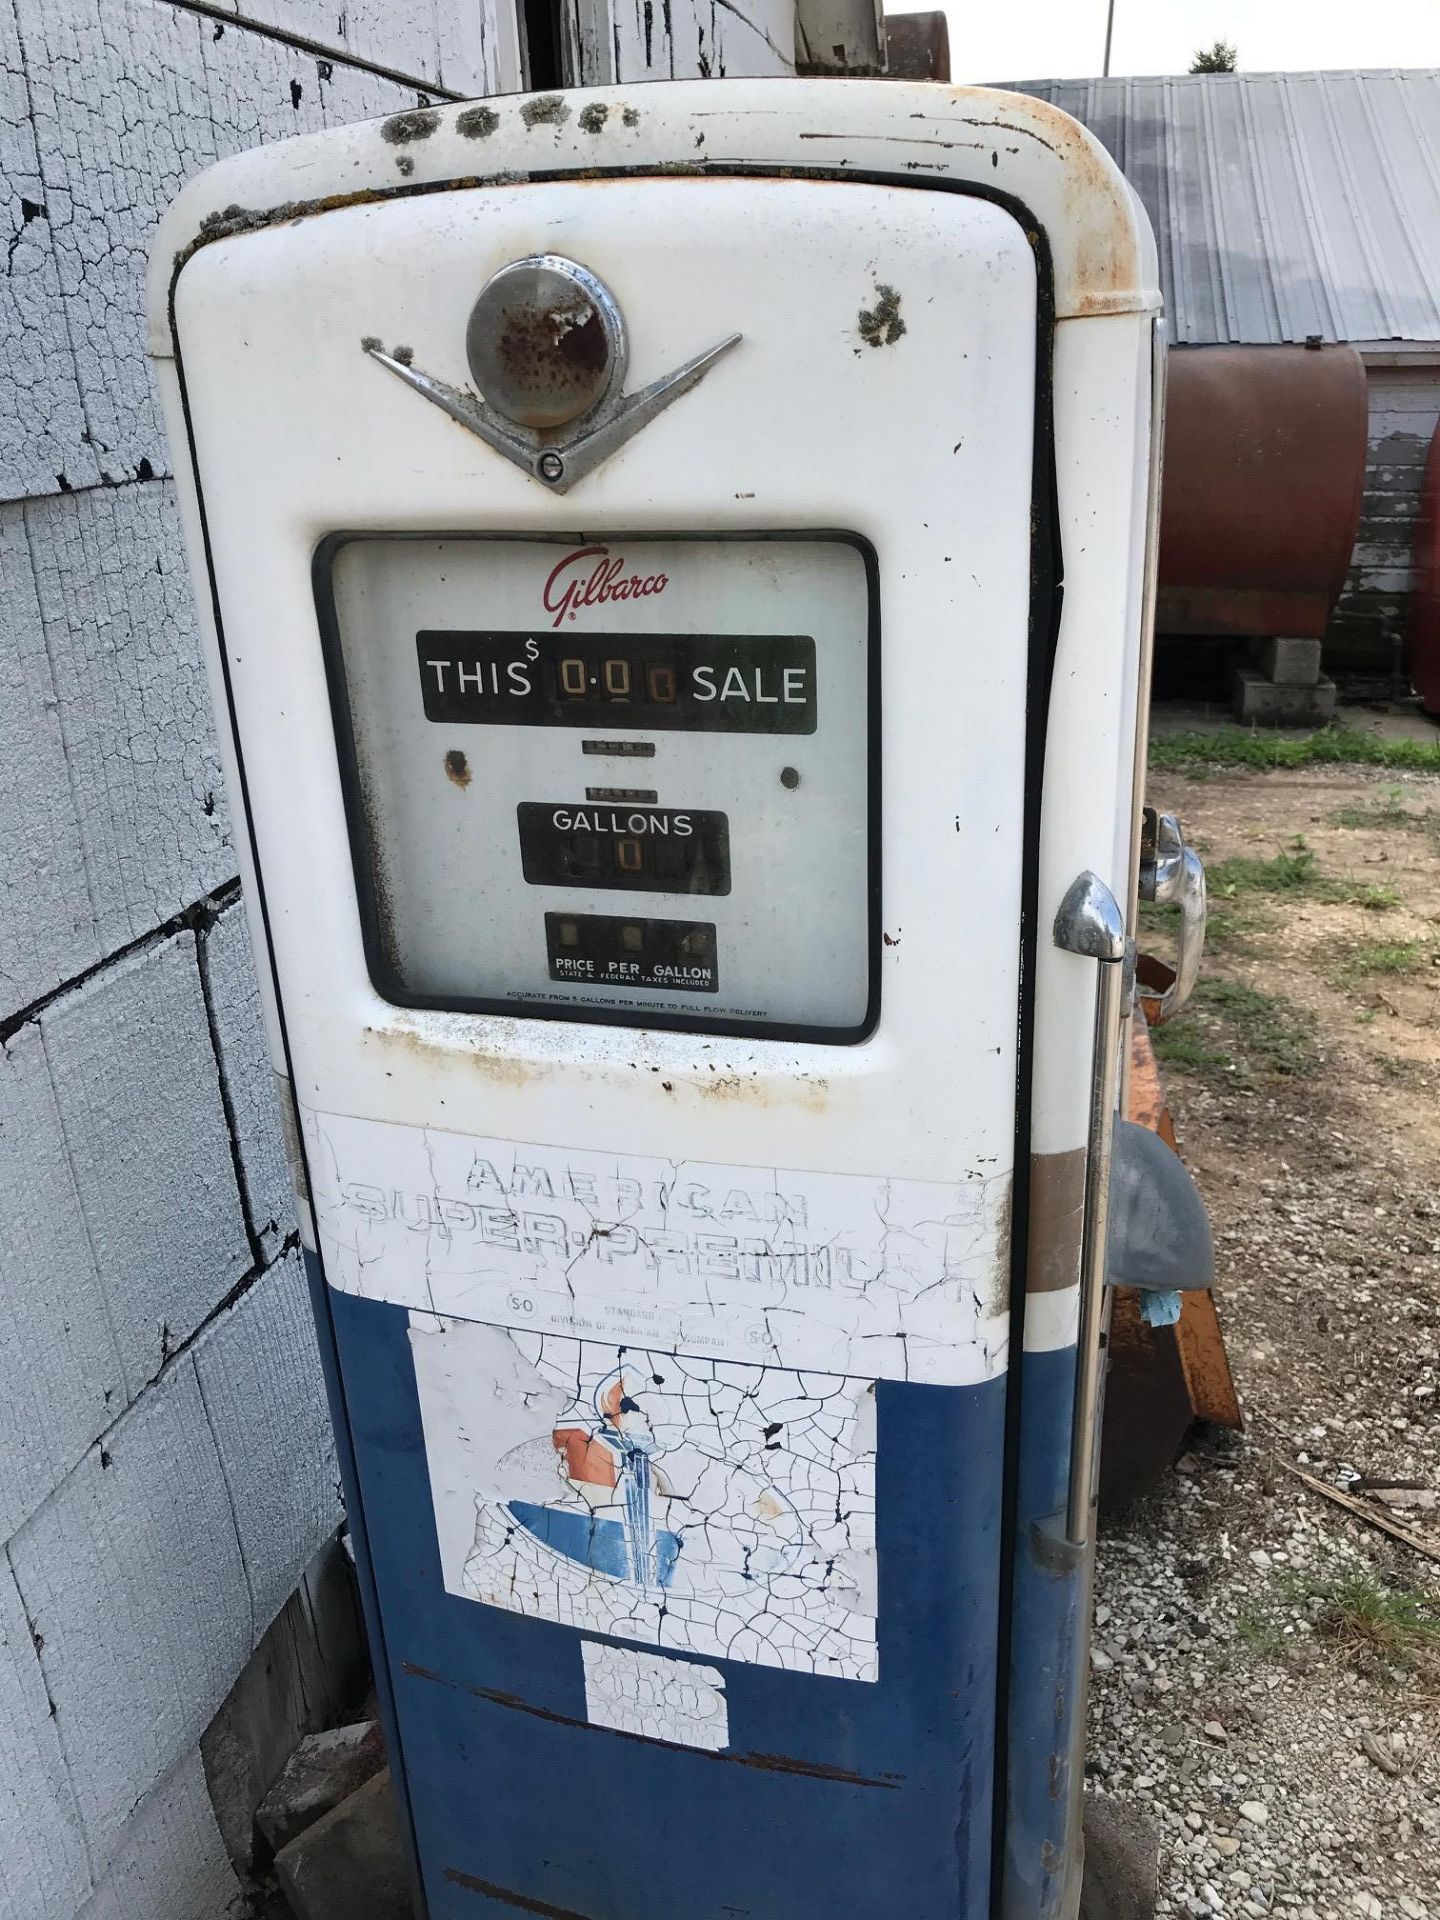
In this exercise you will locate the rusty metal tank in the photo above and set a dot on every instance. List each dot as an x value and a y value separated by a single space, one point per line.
1423 652
1264 469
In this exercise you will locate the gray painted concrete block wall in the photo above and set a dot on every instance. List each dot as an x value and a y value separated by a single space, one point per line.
166 1468
1368 626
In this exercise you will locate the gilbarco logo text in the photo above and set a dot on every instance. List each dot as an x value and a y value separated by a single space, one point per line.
570 587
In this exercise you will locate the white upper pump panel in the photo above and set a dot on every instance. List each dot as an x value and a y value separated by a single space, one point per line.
621 778
841 510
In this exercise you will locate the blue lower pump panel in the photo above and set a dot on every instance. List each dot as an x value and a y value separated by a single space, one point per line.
756 1736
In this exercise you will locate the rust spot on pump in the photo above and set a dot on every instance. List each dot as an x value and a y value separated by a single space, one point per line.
782 1763
555 351
448 1042
546 110
476 123
457 768
881 325
728 1085
507 1897
401 128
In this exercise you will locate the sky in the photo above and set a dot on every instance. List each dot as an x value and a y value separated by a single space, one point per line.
1055 39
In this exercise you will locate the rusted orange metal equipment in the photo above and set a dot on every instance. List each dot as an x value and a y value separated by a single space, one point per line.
1161 1379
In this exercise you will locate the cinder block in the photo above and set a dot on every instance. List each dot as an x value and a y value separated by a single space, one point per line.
43 1871
324 1769
248 1078
310 1670
60 1377
132 1578
352 1862
444 41
149 1148
170 1864
130 100
259 1373
47 930
132 704
1290 663
1257 699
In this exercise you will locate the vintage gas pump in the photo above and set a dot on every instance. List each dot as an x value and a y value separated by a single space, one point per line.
674 566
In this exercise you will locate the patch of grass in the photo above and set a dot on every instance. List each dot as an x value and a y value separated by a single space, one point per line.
1295 873
1384 956
1263 749
1231 930
1231 921
1247 894
1239 892
1278 1037
1238 1030
1256 1625
1373 899
1293 870
1405 1073
1388 809
1356 1610
1179 1045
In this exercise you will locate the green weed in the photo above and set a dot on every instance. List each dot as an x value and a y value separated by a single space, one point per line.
1257 1626
1356 1610
1295 873
1179 1045
1373 899
1384 956
1389 809
1231 921
1240 1031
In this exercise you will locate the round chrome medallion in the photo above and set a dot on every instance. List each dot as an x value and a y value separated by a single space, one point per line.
545 341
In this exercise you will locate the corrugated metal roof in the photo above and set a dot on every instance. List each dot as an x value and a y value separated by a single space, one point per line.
1284 204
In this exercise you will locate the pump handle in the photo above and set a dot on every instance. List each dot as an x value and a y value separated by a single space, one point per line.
1174 874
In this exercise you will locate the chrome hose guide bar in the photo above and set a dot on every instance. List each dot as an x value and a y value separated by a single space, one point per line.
1091 925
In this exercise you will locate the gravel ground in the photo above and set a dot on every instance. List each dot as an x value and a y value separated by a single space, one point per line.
1267 1669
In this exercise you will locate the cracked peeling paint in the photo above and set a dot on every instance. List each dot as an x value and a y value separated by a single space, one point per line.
657 1698
89 149
876 1276
703 1505
722 39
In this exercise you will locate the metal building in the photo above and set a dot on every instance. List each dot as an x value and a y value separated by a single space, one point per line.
1291 207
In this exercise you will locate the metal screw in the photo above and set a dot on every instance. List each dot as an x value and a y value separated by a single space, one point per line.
550 467
789 777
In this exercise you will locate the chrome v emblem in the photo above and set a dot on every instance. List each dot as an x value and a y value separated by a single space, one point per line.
555 461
